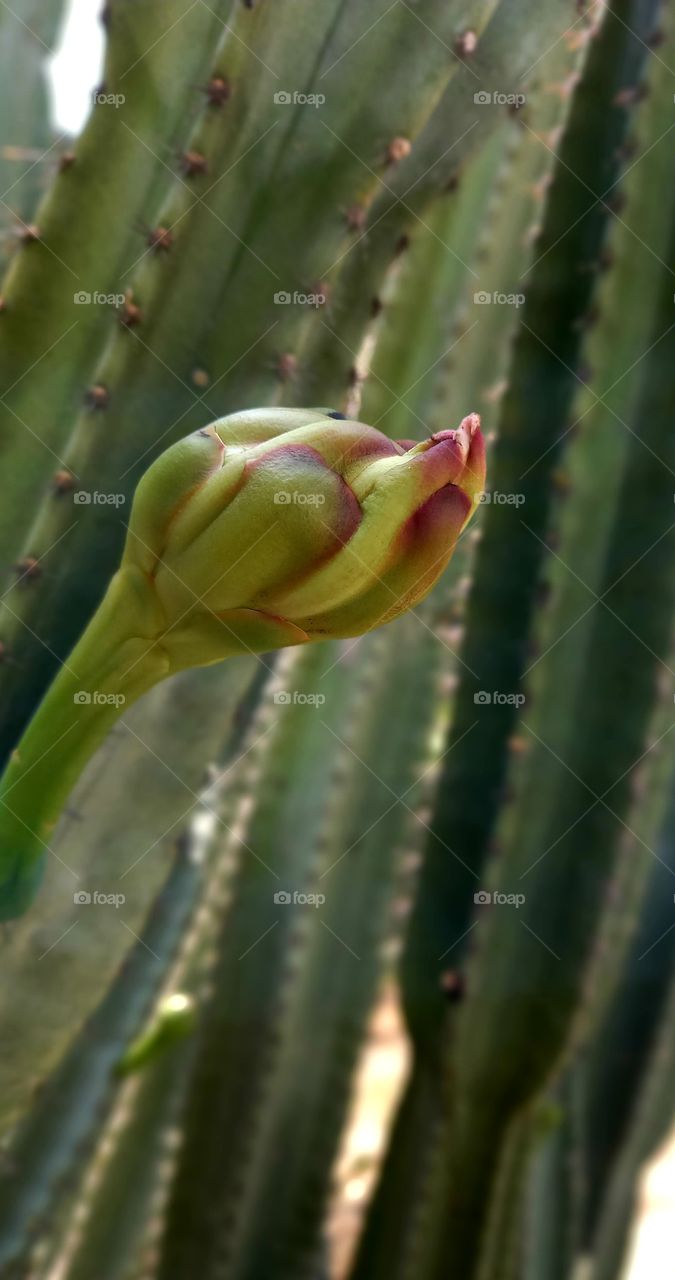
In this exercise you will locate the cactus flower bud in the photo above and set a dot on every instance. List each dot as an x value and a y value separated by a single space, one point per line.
268 528
284 526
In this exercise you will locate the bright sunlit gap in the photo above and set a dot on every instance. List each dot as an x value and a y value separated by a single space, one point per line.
76 68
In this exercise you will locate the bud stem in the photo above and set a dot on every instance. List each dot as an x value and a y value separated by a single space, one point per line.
114 662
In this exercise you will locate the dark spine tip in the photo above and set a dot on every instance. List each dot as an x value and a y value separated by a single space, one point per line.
322 290
355 217
286 366
466 43
130 314
27 569
218 91
453 985
97 396
160 239
193 163
398 149
63 482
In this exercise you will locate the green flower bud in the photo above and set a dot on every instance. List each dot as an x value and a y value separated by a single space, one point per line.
268 528
277 527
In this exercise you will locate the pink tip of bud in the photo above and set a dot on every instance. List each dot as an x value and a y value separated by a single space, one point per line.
463 434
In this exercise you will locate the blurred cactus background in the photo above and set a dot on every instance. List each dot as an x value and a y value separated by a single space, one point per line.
407 211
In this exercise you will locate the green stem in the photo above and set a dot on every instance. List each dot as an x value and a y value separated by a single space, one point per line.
116 660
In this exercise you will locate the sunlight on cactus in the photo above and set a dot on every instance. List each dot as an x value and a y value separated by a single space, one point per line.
303 719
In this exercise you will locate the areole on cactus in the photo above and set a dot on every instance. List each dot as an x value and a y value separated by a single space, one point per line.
267 528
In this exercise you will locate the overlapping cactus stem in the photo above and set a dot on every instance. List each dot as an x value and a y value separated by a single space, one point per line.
289 1010
504 249
88 464
554 796
231 796
610 359
43 1007
28 137
590 127
636 853
425 286
80 247
360 695
49 1150
525 463
362 137
482 244
421 287
556 1186
172 363
617 1056
364 908
267 813
504 56
650 1120
69 1214
160 752
502 1251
